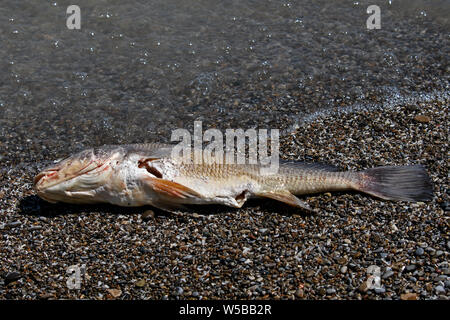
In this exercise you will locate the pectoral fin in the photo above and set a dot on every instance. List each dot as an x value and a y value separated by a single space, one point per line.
172 189
286 197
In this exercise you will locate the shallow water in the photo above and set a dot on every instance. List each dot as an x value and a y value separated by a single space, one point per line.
137 70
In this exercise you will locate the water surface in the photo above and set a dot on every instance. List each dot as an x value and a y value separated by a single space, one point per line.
139 69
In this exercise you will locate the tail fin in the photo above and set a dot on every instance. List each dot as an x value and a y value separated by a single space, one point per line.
409 183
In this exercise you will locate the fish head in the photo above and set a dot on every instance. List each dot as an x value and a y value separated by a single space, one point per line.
77 179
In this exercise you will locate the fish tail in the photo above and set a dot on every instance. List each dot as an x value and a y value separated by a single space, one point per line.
408 183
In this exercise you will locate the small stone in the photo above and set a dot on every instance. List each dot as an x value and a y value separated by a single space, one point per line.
115 293
310 273
383 255
14 224
342 260
388 274
344 269
411 267
419 251
331 291
363 287
408 296
439 289
178 291
148 215
441 277
380 290
140 283
263 231
347 241
446 207
439 253
12 277
46 296
299 293
422 119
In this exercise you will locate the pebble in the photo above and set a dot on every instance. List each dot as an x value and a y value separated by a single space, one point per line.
380 290
387 274
363 287
148 215
140 283
441 277
439 289
178 291
331 291
445 206
383 255
408 296
12 277
422 118
411 267
13 224
115 293
419 251
299 293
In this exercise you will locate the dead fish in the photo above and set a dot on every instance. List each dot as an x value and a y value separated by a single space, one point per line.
147 174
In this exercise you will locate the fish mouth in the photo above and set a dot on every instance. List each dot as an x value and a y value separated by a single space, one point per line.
40 179
56 175
46 173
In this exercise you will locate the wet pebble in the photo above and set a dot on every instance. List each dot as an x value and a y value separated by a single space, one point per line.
419 251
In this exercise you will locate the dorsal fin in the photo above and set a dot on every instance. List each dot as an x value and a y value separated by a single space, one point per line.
150 150
308 166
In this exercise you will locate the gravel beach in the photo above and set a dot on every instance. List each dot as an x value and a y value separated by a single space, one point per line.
264 250
339 93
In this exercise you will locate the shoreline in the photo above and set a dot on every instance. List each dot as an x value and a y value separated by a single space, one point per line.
264 250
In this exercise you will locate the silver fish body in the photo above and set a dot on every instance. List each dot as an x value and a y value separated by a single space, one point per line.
148 174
